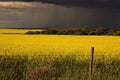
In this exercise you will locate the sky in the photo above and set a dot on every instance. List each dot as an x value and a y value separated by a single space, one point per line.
59 13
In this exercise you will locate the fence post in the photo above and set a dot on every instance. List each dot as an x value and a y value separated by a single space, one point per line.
91 62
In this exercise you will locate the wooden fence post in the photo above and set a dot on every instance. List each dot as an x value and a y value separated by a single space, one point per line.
91 62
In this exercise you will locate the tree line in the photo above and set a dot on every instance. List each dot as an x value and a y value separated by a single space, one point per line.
77 31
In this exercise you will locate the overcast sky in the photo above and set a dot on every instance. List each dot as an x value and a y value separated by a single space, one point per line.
105 3
37 14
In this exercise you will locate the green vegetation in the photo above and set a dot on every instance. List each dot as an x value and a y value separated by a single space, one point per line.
56 68
77 31
33 32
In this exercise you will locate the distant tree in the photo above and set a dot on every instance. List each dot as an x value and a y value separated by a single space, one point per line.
100 31
78 33
117 33
91 33
111 32
29 32
33 32
49 31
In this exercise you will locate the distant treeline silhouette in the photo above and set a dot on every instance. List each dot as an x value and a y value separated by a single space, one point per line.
77 31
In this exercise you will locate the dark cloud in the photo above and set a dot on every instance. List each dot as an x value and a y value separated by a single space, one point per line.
37 14
91 3
84 3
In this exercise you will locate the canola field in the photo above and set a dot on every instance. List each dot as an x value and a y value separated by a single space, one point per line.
13 44
16 31
57 57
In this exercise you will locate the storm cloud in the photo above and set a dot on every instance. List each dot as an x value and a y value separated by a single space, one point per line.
90 3
49 13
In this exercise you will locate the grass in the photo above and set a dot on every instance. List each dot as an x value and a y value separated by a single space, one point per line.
55 68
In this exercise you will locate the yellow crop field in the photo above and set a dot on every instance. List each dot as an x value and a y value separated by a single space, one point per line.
13 44
53 57
20 31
